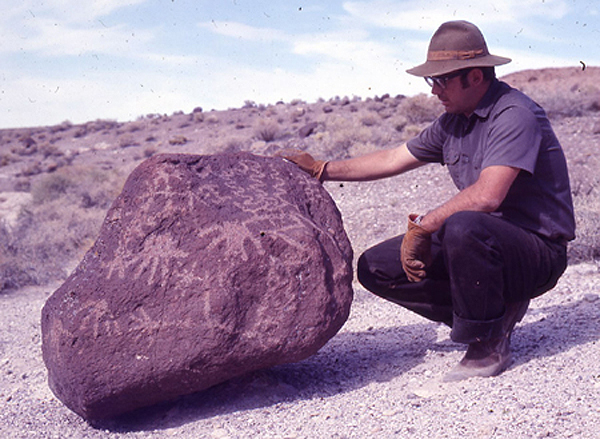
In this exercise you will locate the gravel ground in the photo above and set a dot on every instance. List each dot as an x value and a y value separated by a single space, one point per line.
380 377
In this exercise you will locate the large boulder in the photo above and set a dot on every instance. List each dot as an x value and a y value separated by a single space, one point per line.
206 267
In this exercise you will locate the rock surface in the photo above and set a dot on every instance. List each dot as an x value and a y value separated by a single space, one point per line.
206 267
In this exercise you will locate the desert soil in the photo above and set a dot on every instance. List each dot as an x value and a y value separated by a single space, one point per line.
380 376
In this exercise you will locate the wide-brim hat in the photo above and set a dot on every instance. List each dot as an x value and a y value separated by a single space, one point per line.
456 45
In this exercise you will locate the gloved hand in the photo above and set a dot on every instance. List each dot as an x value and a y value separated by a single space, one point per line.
305 161
415 251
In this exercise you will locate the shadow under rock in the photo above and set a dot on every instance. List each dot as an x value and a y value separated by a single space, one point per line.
349 361
560 328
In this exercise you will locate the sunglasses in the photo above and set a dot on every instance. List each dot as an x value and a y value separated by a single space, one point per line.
442 81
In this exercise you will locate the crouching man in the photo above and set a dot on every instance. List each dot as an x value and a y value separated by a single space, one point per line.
475 261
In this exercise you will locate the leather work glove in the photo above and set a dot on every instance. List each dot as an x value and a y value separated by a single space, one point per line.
415 251
305 161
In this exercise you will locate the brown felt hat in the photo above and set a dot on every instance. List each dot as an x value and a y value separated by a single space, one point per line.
456 45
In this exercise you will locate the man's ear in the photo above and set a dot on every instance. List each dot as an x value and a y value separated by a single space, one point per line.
476 77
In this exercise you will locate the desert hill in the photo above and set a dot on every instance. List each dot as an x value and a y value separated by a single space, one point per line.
57 182
379 376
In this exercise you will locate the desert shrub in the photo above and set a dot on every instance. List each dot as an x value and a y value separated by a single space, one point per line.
267 130
370 120
586 246
49 150
16 269
64 126
96 126
50 187
412 130
212 119
5 159
149 151
347 136
127 140
57 227
135 126
399 122
236 144
27 146
178 140
564 100
45 242
77 185
420 108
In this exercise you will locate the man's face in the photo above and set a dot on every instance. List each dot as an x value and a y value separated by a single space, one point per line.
454 96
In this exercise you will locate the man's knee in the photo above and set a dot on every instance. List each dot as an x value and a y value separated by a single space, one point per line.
462 228
364 273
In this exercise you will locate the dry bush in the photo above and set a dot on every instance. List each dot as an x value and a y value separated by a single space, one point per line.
127 140
50 187
370 120
585 183
212 119
178 140
569 92
570 103
46 240
16 269
77 185
96 126
420 109
236 144
586 246
57 227
412 130
64 126
149 151
49 150
6 159
267 130
346 136
399 122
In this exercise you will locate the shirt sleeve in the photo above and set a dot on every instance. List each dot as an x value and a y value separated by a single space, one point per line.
428 145
514 140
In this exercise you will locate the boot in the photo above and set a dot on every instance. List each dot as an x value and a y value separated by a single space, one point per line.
490 357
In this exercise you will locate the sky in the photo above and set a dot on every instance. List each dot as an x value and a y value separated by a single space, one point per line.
83 60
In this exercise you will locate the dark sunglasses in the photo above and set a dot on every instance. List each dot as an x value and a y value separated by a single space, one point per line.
442 80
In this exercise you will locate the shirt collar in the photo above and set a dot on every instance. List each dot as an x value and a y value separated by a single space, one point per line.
489 99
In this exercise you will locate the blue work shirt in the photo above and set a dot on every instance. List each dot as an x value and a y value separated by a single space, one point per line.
507 129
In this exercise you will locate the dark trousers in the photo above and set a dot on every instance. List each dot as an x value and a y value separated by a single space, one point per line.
480 263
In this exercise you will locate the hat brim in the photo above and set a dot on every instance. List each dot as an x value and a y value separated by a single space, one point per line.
438 68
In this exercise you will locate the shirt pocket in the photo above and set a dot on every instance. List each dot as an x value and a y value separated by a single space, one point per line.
452 161
451 156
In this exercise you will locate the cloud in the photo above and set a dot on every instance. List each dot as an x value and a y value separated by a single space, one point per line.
68 27
429 14
66 11
52 39
244 32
